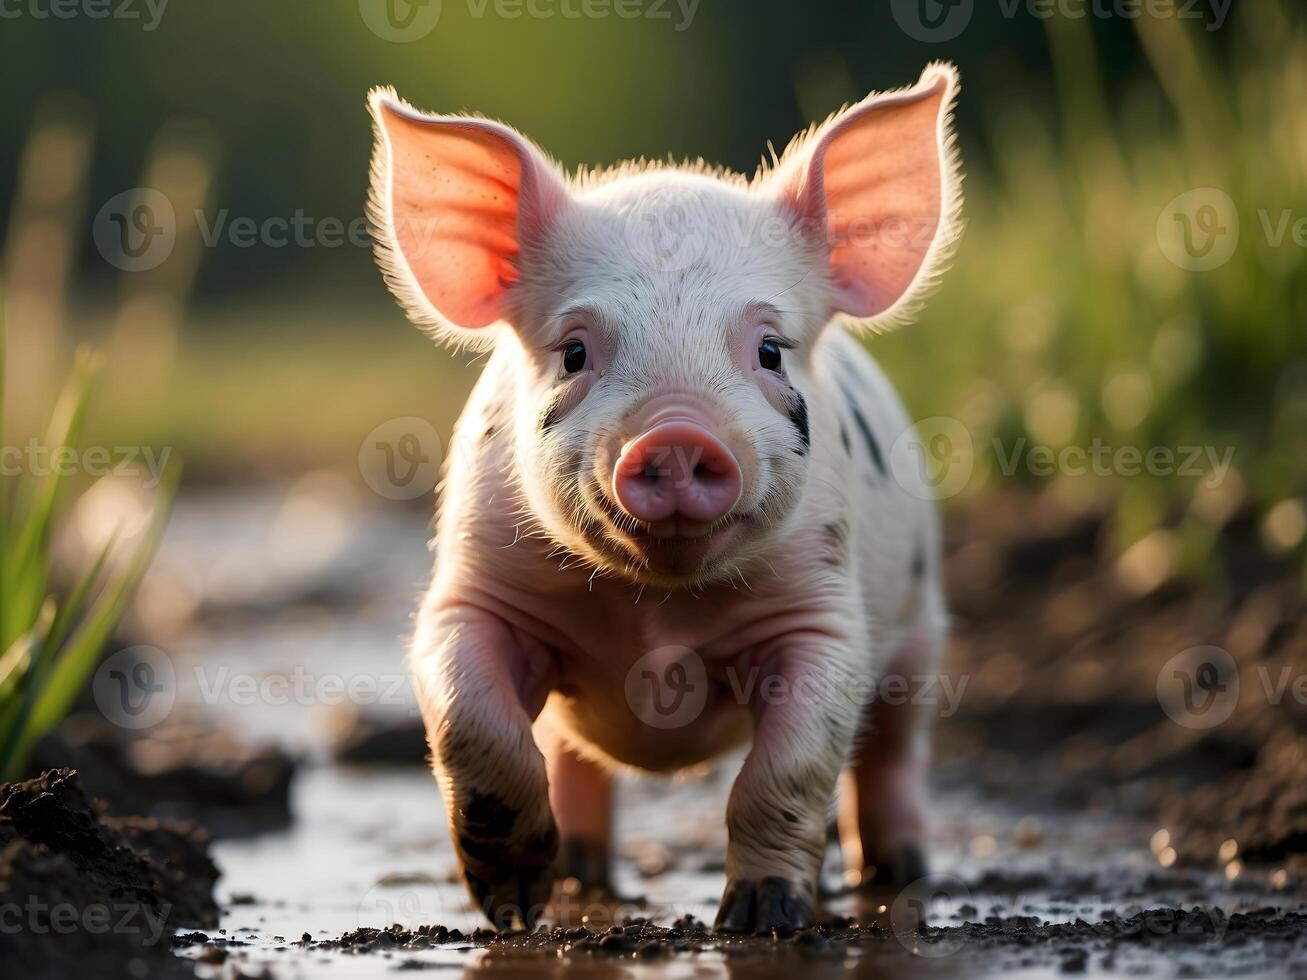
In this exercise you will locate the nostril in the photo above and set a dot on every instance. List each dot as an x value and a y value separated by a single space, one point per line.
676 468
709 476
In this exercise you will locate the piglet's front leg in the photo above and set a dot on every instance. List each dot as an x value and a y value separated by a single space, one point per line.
479 692
806 713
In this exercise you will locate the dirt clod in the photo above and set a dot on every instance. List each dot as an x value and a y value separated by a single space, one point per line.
111 889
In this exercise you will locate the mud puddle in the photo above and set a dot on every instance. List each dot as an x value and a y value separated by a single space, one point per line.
364 886
1031 880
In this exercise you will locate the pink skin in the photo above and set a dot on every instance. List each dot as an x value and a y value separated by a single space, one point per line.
578 639
882 803
581 796
672 481
677 477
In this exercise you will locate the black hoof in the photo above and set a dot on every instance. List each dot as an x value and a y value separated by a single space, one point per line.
511 882
586 863
900 869
513 903
759 906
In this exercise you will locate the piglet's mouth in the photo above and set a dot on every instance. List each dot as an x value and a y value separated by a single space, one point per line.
681 554
677 527
673 544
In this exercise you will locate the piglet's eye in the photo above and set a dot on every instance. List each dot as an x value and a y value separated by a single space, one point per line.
769 355
574 357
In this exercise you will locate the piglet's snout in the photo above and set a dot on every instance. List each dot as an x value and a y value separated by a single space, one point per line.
677 469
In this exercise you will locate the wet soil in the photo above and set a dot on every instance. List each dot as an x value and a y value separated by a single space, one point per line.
1018 891
1194 936
375 739
84 892
1090 679
1081 822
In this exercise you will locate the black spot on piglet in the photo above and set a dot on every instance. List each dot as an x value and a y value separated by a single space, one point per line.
799 418
486 815
553 412
869 438
918 562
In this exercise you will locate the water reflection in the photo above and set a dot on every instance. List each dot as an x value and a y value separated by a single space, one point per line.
866 964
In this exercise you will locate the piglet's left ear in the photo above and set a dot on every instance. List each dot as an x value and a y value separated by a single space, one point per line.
456 204
879 184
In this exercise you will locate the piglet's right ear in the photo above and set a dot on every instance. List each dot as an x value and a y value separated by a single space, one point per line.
455 202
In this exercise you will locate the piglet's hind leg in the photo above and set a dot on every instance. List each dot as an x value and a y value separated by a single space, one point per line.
882 812
581 793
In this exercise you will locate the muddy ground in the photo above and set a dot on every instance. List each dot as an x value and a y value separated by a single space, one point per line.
1111 797
1097 681
84 891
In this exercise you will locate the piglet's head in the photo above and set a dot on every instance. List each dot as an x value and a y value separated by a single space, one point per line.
658 323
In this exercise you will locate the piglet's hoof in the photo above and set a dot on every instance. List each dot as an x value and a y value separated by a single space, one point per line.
900 869
761 905
515 902
508 867
583 868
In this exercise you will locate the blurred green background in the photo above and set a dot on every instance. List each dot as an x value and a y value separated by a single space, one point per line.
1068 316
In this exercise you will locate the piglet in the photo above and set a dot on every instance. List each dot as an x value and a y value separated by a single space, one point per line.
670 525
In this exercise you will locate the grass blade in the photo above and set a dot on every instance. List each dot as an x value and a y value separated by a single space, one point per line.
17 710
79 657
26 565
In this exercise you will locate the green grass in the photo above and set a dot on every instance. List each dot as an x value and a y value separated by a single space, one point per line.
1063 321
51 646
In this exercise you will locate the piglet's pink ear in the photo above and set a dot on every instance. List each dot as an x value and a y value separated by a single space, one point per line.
455 202
878 183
